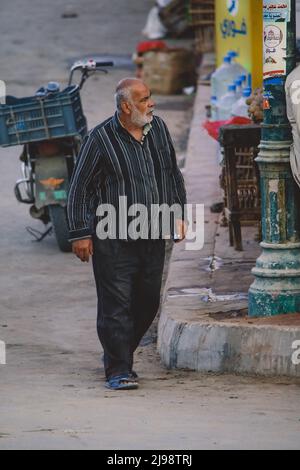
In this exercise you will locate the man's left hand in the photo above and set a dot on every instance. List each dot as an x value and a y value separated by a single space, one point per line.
181 229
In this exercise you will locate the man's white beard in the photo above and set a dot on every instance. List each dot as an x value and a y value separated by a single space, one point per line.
139 119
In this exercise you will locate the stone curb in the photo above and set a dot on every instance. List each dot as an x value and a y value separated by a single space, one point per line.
229 348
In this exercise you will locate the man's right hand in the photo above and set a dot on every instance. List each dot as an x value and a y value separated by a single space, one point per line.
83 249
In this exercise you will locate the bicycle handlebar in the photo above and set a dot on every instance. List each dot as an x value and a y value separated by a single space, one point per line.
90 64
104 64
87 66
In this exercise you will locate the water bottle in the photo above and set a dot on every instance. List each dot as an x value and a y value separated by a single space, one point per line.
236 67
240 108
239 88
214 108
222 78
243 79
226 103
249 85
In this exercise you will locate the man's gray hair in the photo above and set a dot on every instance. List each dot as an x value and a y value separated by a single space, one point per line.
123 91
121 95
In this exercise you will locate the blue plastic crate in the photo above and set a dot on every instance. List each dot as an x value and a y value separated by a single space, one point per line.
34 119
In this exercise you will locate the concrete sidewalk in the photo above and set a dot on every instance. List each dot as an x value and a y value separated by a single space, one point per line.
204 324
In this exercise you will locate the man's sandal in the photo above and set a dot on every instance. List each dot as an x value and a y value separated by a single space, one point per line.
121 382
134 376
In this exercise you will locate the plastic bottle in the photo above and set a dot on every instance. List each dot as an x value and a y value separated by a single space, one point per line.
239 88
240 108
243 79
226 103
222 78
214 108
249 80
236 67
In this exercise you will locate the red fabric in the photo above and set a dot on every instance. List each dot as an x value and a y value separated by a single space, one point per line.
213 127
147 46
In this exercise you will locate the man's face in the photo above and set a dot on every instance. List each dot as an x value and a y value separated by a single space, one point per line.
142 105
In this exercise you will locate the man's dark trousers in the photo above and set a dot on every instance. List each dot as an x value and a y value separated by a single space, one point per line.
128 278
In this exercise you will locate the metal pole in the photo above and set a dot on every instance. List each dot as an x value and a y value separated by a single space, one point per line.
276 289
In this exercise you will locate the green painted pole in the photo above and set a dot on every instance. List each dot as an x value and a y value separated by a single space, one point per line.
276 288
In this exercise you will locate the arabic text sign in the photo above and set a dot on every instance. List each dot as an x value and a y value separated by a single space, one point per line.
275 40
275 11
239 26
233 7
229 28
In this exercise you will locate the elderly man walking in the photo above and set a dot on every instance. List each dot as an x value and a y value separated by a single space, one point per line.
129 157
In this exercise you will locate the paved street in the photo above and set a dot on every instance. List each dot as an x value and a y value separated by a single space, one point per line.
52 393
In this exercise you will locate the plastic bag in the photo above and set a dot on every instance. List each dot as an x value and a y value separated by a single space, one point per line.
154 28
213 127
146 46
163 3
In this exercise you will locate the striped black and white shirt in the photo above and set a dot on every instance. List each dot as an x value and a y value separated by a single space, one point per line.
112 163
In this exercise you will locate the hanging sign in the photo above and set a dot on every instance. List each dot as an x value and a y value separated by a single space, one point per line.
276 16
277 11
239 28
275 41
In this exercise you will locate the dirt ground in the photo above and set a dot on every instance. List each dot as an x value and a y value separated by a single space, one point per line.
52 388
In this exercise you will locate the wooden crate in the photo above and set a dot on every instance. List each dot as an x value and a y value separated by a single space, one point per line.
202 17
240 179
